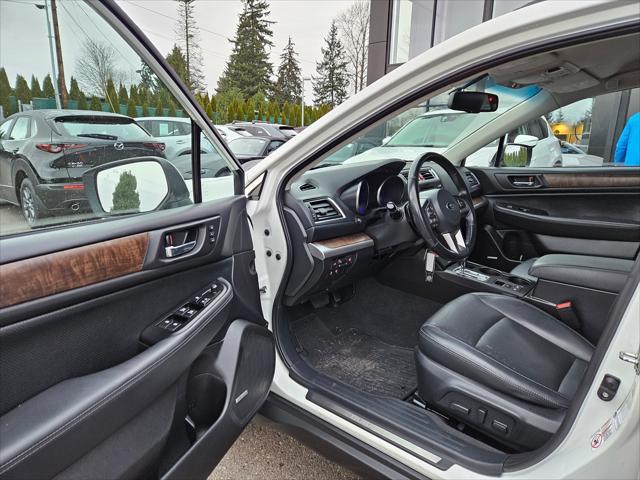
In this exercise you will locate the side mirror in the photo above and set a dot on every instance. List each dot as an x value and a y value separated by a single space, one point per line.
473 102
515 155
526 140
135 185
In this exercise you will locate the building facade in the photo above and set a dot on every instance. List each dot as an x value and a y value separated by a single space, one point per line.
402 29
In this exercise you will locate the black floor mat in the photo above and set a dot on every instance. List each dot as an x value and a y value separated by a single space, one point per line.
368 341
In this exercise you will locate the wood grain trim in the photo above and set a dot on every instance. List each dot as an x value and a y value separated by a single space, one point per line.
345 241
478 201
57 272
591 180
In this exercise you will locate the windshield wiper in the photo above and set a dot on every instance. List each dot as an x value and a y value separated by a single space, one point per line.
101 136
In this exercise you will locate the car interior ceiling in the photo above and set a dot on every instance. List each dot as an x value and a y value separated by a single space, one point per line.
360 329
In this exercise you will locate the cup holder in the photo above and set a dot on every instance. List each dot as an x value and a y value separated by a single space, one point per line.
488 271
519 280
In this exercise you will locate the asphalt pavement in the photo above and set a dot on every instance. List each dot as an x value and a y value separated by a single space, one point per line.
11 219
265 453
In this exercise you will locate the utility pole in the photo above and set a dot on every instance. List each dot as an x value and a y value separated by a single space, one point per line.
304 79
56 35
54 74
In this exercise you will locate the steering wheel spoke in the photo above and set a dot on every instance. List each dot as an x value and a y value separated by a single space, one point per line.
435 211
463 204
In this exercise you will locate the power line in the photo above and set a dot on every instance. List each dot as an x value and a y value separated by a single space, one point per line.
174 19
106 38
199 27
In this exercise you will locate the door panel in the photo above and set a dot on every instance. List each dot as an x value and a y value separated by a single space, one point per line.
88 372
589 211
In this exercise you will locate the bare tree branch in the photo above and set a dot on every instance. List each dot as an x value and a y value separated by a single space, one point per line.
353 24
95 66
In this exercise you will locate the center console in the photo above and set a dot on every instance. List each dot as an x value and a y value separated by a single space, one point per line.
481 278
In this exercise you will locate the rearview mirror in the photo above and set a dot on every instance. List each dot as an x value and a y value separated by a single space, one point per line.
473 102
135 186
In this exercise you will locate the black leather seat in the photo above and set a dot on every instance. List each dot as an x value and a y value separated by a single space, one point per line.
501 365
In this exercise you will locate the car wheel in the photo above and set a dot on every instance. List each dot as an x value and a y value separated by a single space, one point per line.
29 202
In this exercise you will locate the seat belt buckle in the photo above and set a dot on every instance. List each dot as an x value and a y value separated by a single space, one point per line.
568 315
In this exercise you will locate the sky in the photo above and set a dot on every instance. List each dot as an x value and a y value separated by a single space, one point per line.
26 50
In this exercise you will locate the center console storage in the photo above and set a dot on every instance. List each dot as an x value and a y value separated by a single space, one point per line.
589 284
481 278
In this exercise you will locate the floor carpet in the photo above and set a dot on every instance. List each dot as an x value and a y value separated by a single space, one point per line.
367 341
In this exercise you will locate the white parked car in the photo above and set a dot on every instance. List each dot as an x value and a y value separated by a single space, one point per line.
175 132
574 156
230 134
437 130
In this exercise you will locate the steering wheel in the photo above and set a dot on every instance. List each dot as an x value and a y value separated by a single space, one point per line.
447 222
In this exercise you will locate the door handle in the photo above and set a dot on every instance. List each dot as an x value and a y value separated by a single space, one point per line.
177 250
523 183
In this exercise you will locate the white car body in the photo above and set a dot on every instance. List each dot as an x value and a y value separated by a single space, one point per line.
228 134
172 132
536 25
572 156
545 153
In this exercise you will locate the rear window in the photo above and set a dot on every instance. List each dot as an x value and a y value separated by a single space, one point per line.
247 146
107 128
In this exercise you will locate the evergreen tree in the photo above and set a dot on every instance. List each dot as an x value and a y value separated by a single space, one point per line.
82 102
210 111
131 109
249 68
289 83
21 90
213 103
145 109
123 96
172 110
36 91
148 79
178 62
159 107
5 92
95 104
47 87
125 196
332 78
74 91
133 94
112 96
189 36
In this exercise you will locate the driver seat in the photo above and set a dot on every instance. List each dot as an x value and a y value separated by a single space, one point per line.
502 366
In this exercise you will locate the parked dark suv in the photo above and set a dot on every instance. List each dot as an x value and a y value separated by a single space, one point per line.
43 154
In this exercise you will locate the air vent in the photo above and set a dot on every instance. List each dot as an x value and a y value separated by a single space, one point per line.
471 179
323 210
427 174
307 186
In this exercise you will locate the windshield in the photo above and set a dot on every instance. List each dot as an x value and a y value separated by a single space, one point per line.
247 146
107 128
439 130
428 126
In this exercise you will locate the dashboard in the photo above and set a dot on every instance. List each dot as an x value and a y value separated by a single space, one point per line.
346 220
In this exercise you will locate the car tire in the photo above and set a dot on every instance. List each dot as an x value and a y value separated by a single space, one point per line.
29 203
